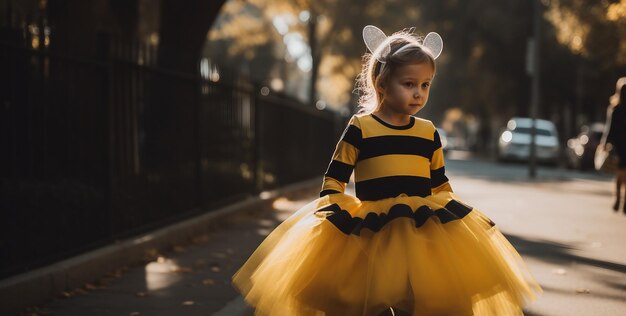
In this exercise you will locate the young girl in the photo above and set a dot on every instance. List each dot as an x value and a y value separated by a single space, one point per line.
405 241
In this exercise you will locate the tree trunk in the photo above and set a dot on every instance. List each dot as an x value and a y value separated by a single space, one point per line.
184 28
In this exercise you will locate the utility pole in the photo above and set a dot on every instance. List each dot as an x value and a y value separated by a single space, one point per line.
536 92
312 32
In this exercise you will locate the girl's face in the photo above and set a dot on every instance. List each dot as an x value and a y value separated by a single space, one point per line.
406 91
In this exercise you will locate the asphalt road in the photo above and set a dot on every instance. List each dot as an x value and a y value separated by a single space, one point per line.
561 222
563 225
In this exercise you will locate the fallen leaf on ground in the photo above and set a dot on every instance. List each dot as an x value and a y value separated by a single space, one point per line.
188 303
151 253
89 286
582 291
66 294
37 311
141 294
219 255
103 283
200 239
208 281
200 263
80 291
215 267
182 269
115 274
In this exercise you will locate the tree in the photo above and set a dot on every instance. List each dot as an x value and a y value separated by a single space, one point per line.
592 36
482 68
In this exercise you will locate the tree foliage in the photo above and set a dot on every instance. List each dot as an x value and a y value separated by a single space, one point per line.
483 65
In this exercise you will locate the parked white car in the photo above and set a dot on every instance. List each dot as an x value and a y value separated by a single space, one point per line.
514 142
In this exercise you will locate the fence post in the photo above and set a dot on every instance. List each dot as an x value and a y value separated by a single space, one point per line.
257 156
199 83
104 55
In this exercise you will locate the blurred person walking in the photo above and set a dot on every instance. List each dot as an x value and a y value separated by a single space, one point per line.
616 137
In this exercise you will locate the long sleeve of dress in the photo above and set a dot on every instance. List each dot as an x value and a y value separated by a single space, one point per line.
439 181
344 159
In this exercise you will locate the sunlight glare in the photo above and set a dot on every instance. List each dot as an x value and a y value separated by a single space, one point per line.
305 63
507 136
284 204
304 16
280 24
277 84
295 44
511 125
265 195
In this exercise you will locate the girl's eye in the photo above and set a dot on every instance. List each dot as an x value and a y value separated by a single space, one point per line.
409 84
426 84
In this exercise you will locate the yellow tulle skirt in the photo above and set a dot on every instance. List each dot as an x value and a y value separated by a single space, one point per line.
427 256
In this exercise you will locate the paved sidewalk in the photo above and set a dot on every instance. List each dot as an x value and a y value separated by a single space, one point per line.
191 279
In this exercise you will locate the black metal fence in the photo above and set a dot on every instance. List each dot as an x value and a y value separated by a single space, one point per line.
96 150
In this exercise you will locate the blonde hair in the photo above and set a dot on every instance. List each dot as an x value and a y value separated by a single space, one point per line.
374 72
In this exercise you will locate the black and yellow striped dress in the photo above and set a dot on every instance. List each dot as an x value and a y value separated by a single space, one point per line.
405 240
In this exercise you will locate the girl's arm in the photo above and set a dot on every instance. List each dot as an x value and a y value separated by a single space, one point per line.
344 159
439 181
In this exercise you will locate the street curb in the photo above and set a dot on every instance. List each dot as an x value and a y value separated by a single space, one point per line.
236 306
41 285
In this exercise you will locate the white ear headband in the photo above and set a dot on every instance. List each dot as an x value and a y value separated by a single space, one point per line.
376 42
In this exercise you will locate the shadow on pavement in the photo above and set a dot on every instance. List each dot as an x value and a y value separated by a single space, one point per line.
517 172
558 253
562 254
